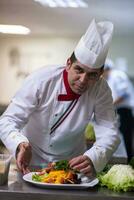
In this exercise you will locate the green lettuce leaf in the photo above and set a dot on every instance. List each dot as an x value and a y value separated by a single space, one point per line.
119 178
39 178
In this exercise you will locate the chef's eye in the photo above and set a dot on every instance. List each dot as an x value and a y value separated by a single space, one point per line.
93 76
78 69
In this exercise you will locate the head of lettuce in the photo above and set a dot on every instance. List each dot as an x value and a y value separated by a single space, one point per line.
119 178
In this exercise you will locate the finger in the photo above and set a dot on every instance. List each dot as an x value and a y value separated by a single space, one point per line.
76 161
79 162
21 167
24 167
81 165
25 170
86 170
19 164
89 174
23 160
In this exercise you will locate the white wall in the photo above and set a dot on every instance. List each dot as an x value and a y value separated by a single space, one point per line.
33 53
123 46
20 56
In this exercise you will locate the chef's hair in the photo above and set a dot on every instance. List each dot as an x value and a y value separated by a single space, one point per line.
73 58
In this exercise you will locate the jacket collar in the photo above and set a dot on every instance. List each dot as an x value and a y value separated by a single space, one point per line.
70 94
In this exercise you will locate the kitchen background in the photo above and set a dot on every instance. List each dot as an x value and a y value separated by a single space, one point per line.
54 32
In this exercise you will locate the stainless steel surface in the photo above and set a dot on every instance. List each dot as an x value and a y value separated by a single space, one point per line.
19 189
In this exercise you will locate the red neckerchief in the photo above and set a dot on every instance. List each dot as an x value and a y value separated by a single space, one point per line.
70 94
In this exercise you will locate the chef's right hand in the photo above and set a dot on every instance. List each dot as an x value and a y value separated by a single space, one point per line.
23 157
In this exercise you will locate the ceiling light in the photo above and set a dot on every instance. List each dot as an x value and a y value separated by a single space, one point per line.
14 29
63 3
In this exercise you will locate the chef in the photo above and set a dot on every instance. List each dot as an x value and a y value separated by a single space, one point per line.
46 119
123 97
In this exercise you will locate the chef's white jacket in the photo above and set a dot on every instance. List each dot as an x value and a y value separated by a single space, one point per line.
35 108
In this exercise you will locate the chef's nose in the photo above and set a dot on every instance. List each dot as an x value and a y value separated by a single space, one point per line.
83 78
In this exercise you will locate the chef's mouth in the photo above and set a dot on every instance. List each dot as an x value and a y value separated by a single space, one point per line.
79 88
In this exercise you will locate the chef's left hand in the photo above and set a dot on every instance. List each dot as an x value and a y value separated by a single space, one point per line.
83 164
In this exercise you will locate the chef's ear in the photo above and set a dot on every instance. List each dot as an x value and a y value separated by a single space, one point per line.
68 64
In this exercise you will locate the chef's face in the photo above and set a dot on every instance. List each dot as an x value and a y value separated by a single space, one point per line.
81 76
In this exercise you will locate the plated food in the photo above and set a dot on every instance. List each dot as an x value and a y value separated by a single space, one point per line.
57 173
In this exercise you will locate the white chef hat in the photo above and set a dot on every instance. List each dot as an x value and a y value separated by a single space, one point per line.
93 46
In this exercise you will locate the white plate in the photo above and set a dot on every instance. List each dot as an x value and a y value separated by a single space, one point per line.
28 178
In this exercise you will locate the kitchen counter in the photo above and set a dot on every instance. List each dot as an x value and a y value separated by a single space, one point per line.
19 189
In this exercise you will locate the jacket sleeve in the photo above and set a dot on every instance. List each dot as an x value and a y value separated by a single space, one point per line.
17 114
107 138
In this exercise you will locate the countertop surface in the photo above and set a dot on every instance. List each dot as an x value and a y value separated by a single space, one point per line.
17 188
